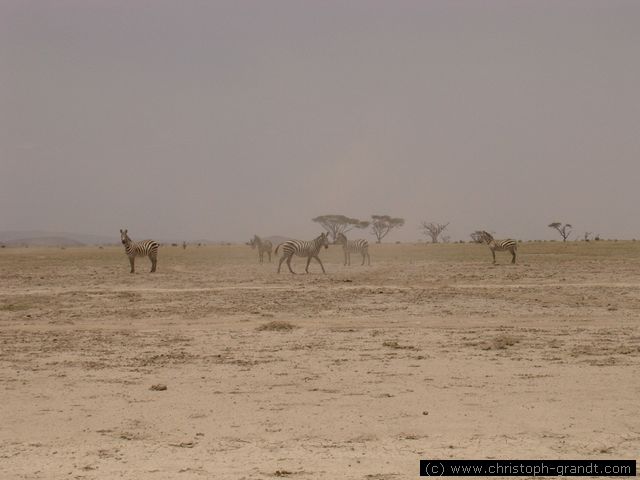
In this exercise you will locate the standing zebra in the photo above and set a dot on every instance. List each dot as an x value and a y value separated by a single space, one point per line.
264 246
309 249
500 246
145 248
360 246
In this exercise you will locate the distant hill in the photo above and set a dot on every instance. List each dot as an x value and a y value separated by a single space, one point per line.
43 242
43 238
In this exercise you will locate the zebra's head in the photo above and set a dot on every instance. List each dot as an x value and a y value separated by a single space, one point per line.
252 242
124 238
341 239
486 237
324 239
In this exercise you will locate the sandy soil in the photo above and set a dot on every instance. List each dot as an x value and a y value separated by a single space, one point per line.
431 352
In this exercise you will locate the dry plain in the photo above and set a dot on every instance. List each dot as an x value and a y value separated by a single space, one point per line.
431 352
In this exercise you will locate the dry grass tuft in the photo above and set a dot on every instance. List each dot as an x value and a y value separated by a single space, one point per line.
276 326
396 345
501 342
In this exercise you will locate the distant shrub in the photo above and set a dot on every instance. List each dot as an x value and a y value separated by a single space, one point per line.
276 326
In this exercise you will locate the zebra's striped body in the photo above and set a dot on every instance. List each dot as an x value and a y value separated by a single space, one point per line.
145 248
500 246
264 246
309 249
360 246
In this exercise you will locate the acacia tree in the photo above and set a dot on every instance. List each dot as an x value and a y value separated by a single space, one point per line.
433 230
381 225
336 224
563 230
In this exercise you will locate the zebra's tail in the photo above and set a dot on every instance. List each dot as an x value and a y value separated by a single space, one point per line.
276 252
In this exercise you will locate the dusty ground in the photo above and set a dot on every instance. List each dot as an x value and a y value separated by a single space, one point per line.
431 352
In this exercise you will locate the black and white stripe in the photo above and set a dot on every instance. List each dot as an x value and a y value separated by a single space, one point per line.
360 246
309 249
508 244
145 248
263 246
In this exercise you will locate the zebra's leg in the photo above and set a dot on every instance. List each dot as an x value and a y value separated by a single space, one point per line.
131 261
269 252
345 257
306 269
513 256
154 261
368 259
493 252
260 255
282 258
289 263
363 256
321 266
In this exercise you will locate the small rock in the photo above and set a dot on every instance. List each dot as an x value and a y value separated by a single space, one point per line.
158 387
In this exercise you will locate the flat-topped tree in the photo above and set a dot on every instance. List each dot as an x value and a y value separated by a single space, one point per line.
336 224
563 230
381 225
433 230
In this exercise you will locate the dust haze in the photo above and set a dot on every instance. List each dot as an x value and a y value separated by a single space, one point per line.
194 120
223 119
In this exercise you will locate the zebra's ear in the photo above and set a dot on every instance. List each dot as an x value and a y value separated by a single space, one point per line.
120 230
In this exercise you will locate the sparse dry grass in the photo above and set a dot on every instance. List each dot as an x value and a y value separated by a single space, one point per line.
276 326
428 348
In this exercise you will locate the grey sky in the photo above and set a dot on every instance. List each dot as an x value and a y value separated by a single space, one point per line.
209 119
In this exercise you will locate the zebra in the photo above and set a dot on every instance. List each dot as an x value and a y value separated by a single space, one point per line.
309 249
145 248
264 246
360 246
500 246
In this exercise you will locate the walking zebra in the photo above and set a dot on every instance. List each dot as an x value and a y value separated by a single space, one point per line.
145 248
264 246
360 246
500 246
309 249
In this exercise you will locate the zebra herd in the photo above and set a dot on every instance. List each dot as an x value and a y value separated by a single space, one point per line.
309 249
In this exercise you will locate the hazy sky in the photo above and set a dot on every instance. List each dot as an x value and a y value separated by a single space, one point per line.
220 119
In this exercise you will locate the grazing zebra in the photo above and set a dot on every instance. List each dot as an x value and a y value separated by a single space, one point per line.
360 246
264 246
309 249
145 248
500 246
